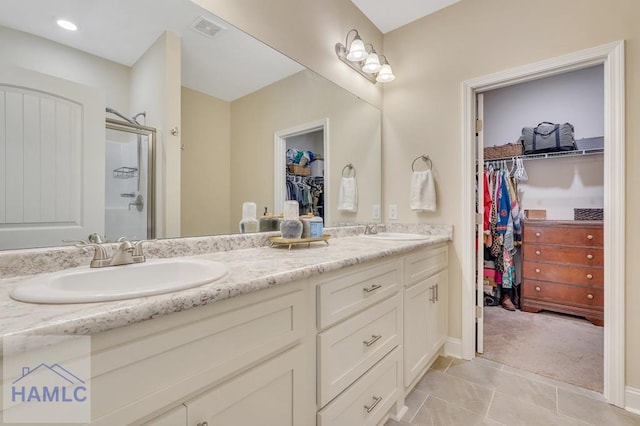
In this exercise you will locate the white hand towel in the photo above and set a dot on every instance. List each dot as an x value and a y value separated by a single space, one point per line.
348 196
423 191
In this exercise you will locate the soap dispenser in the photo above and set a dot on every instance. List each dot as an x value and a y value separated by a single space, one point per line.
249 223
290 226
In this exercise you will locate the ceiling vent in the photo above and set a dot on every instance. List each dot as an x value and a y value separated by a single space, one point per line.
206 27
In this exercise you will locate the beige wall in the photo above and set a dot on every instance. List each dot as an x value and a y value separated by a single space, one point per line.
305 97
155 88
206 159
422 109
306 31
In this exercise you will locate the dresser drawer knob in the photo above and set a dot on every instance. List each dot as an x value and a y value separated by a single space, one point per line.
590 256
537 270
374 338
538 288
589 237
538 234
538 252
589 276
590 296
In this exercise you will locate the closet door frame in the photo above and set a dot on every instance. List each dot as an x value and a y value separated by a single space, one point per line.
612 57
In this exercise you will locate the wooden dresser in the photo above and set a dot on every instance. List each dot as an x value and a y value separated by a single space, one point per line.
562 268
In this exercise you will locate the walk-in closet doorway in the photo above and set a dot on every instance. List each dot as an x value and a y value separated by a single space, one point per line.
543 296
611 56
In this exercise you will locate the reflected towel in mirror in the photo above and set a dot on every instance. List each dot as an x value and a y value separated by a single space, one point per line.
423 191
348 196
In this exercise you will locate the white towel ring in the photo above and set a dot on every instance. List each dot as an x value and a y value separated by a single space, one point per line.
349 167
424 158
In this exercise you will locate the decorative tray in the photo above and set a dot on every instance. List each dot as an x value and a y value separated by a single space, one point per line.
291 241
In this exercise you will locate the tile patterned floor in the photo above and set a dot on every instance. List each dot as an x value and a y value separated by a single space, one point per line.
483 392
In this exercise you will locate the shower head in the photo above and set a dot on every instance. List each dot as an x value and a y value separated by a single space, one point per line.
114 112
143 113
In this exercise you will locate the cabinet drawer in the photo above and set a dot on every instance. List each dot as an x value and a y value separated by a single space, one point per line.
584 275
563 293
367 400
588 256
349 349
421 265
565 235
343 294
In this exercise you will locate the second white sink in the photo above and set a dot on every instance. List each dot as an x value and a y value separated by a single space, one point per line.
84 284
395 236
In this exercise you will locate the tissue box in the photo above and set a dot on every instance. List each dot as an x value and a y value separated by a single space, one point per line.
535 214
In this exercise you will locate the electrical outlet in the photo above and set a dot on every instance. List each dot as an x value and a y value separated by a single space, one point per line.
393 211
376 211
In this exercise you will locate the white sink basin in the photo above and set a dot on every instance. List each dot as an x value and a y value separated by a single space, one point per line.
395 236
84 284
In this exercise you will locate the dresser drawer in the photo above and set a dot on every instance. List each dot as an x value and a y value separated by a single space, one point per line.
349 349
423 264
343 294
564 235
368 400
584 275
563 293
588 256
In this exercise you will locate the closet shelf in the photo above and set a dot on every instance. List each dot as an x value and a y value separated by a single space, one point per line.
574 153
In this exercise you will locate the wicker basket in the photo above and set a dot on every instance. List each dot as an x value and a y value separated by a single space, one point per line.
299 170
588 214
502 151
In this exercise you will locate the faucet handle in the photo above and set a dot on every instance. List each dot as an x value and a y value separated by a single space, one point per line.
137 248
99 254
96 238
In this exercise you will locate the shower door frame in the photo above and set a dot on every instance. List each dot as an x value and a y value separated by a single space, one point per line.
150 132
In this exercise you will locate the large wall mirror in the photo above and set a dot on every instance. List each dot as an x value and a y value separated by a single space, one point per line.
237 101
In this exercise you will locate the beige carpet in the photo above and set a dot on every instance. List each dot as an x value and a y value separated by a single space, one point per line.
557 346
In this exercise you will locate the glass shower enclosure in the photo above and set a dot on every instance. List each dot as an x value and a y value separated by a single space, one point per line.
129 181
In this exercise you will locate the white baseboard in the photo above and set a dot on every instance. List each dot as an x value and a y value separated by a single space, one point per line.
632 400
453 348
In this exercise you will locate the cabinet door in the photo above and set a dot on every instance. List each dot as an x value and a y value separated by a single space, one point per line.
437 322
418 307
425 323
270 394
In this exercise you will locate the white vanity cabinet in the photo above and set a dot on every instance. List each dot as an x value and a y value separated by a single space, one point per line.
245 356
359 324
425 316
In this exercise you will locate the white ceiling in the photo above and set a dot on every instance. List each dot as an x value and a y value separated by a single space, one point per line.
388 15
228 66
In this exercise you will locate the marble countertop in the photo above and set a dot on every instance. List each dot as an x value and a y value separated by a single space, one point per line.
250 270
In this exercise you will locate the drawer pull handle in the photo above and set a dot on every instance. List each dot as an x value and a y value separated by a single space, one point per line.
589 276
376 401
537 234
203 424
538 288
589 237
590 296
374 338
537 270
373 287
589 256
538 252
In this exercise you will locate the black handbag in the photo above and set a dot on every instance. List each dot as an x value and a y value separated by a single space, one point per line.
548 137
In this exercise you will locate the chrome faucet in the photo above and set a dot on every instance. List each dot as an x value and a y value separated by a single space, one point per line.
126 253
370 229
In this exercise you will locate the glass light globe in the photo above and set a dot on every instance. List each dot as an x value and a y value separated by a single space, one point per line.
372 64
356 50
385 75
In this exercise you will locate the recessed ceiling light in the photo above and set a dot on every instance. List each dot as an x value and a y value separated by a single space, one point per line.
67 25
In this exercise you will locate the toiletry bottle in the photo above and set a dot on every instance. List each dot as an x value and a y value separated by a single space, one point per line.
311 226
249 223
290 226
269 222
